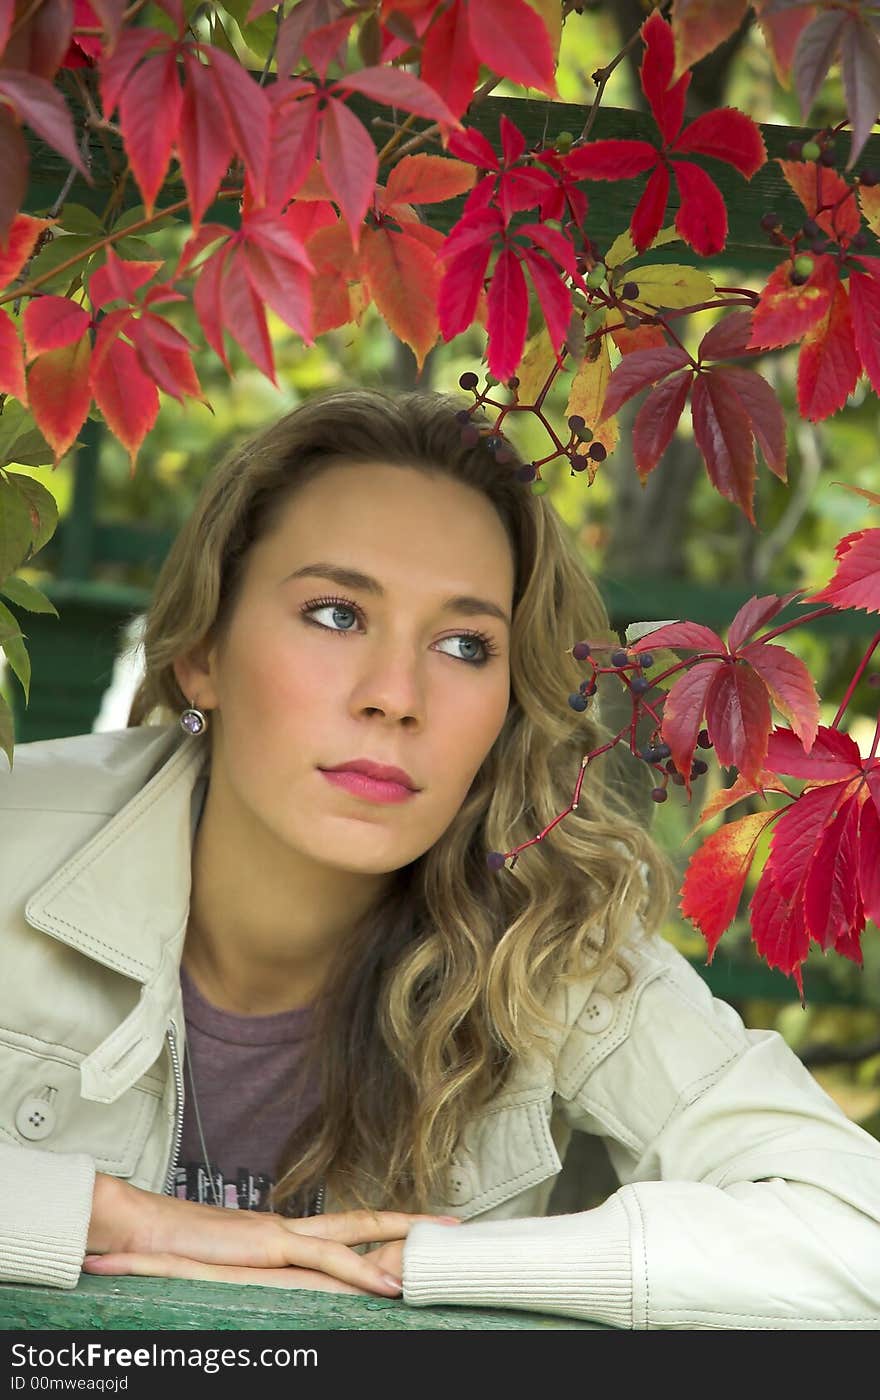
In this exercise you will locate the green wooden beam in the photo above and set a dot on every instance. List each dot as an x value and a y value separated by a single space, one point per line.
611 206
174 1305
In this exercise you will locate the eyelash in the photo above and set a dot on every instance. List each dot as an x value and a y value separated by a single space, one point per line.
316 603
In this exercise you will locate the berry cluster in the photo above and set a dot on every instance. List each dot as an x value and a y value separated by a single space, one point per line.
621 660
657 753
811 238
493 435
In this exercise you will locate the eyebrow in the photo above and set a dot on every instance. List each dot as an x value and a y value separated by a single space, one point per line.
354 578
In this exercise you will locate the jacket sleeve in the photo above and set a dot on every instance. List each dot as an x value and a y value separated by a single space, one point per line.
748 1199
45 1210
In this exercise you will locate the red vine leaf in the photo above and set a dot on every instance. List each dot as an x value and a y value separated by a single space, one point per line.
59 393
508 301
723 434
828 365
716 875
657 419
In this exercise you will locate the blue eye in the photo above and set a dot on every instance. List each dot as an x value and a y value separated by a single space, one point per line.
343 605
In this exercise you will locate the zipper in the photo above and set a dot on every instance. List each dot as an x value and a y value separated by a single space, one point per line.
178 1108
178 1126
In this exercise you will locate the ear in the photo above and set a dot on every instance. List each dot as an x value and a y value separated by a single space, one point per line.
194 672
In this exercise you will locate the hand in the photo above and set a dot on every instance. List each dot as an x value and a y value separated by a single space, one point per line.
162 1237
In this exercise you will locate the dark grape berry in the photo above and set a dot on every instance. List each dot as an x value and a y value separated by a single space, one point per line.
577 424
795 150
678 779
860 241
580 651
670 766
577 701
827 157
818 245
797 279
698 768
493 442
495 860
462 416
619 657
770 220
810 228
468 380
703 739
645 659
513 382
869 177
663 751
640 684
659 794
597 451
630 290
647 754
527 472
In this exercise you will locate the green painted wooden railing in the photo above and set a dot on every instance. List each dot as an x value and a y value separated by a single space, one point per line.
153 1304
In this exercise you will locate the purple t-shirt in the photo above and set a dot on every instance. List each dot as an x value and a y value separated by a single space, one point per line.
242 1067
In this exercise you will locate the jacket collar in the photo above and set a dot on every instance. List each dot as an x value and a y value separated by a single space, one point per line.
123 900
122 895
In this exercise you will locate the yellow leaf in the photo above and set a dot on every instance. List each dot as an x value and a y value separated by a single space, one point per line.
623 249
671 284
587 395
535 366
551 13
869 199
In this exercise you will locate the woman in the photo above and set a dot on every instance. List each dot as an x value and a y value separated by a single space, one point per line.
254 961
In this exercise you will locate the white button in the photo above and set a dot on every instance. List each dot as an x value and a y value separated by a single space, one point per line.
598 1013
35 1119
461 1187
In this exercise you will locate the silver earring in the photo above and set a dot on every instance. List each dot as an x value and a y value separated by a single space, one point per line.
193 721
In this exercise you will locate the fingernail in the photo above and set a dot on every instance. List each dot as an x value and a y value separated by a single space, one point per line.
448 1219
92 1258
393 1282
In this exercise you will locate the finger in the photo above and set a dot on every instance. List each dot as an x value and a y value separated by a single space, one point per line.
362 1226
176 1266
287 1250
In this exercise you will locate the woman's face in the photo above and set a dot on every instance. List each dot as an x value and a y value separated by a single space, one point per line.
381 675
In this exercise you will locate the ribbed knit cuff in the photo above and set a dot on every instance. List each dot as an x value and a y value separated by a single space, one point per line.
571 1265
44 1216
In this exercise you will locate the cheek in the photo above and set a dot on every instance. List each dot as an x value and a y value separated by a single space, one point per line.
279 672
478 716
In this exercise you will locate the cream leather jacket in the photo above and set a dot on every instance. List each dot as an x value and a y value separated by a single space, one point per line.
747 1198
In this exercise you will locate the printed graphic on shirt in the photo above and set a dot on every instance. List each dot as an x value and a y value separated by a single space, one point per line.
192 1182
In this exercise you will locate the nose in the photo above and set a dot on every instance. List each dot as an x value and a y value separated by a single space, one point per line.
391 685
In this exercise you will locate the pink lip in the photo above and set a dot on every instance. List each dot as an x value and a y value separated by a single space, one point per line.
372 788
